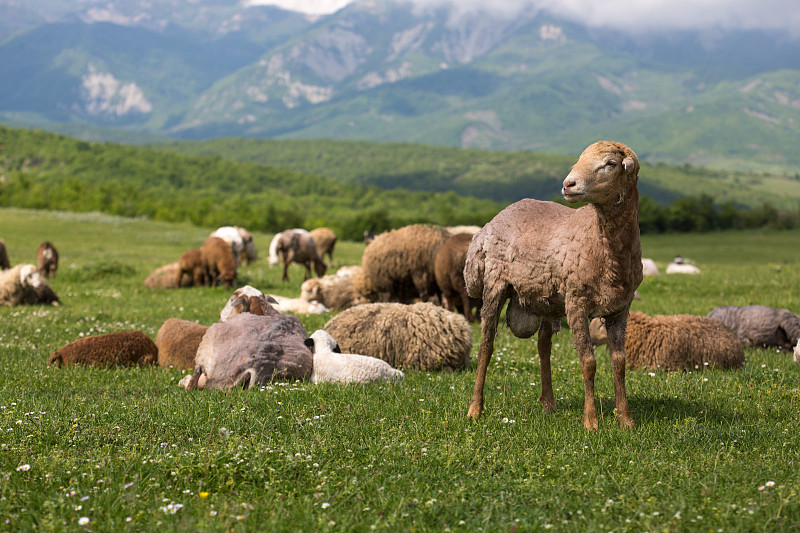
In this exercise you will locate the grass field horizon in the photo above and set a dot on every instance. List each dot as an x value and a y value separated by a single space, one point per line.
124 449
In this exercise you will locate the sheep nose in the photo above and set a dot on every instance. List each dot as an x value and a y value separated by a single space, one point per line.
569 183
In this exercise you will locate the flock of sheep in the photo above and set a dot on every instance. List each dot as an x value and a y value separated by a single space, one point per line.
408 305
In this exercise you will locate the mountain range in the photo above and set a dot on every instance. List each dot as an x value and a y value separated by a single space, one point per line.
390 71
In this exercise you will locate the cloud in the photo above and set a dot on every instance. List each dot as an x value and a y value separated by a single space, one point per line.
631 15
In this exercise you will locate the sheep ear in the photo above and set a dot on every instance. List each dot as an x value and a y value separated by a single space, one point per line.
336 349
627 163
310 343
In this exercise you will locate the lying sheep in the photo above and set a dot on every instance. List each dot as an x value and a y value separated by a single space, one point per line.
334 292
680 266
248 299
47 259
298 247
333 366
298 306
218 265
421 336
164 277
5 264
398 265
190 264
759 325
249 349
448 269
125 348
649 267
177 341
675 342
23 284
548 260
459 230
325 239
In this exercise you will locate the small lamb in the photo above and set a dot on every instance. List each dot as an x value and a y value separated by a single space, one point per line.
333 366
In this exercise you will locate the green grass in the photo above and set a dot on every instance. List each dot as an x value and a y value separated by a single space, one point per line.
128 450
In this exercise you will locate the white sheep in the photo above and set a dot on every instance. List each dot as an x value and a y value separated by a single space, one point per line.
332 366
231 235
24 284
550 260
298 305
680 266
649 267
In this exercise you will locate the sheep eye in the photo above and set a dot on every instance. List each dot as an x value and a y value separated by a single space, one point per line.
611 163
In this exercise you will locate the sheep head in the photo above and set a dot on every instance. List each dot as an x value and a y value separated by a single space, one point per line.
247 299
321 339
603 174
29 276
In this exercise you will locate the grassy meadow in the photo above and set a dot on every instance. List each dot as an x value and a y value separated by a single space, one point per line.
124 449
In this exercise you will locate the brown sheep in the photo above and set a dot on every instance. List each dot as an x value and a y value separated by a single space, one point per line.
164 278
334 292
177 341
398 265
448 269
125 348
4 262
325 239
297 246
191 264
47 259
218 265
675 342
549 260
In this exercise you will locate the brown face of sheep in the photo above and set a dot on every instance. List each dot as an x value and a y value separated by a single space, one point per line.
602 174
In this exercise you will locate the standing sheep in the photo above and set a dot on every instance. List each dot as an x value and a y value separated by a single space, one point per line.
398 265
325 239
231 235
250 253
190 264
759 325
218 265
23 284
421 336
550 260
125 348
675 342
47 259
298 247
333 366
448 269
248 349
5 264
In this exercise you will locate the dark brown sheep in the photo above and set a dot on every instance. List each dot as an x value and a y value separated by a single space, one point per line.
47 259
191 264
4 262
218 265
177 341
125 348
448 267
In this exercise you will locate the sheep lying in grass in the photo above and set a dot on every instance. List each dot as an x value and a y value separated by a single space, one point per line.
334 292
249 349
47 259
125 348
298 306
549 260
759 325
164 277
680 266
398 265
421 336
325 239
649 267
177 341
248 299
333 366
5 264
24 284
675 342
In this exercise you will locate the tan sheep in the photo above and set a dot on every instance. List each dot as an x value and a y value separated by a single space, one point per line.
448 269
47 259
191 264
675 342
5 264
398 265
325 239
164 277
24 284
421 336
218 265
177 341
125 348
334 292
549 260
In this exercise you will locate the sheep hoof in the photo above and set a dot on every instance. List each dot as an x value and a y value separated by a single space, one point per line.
549 404
474 411
626 422
590 423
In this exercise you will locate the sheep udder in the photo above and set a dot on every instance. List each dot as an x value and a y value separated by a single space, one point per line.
551 261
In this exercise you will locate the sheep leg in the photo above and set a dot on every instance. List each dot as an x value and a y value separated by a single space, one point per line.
490 314
547 399
195 378
616 326
579 325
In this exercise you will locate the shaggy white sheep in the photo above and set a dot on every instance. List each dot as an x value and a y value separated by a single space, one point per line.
649 267
298 305
549 260
332 366
231 235
24 284
680 266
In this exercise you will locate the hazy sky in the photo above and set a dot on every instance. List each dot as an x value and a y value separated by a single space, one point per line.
630 14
